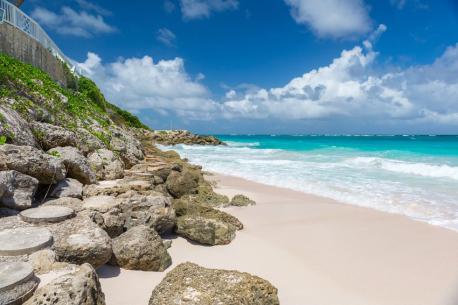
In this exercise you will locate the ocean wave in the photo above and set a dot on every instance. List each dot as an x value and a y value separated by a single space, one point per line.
420 169
243 144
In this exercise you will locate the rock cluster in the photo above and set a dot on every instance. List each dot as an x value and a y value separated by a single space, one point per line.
173 137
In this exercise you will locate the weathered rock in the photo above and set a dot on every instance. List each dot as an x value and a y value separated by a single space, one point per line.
87 142
50 136
106 165
72 203
17 189
140 248
205 231
152 209
106 213
67 188
77 165
185 207
26 240
207 196
15 128
179 184
17 282
79 240
191 284
42 261
241 200
173 137
100 204
128 147
47 214
81 286
33 162
116 187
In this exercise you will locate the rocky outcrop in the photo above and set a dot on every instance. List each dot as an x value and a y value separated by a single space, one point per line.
78 286
77 165
194 285
33 162
151 209
50 136
105 211
17 190
106 165
79 240
205 231
182 183
140 248
14 127
67 188
87 142
128 147
241 201
173 137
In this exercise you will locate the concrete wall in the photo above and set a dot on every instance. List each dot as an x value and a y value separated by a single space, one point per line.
17 44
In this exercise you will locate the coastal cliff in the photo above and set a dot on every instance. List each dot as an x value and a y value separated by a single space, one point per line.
82 184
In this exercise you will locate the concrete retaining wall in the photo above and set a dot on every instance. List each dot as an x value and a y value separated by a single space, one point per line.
17 44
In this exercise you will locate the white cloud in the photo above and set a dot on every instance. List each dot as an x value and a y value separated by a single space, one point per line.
71 22
141 83
166 36
86 5
332 18
349 89
195 9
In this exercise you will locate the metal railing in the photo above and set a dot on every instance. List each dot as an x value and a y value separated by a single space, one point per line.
17 18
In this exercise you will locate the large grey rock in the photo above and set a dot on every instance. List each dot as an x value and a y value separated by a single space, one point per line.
79 240
17 282
50 136
191 284
87 142
128 147
182 183
33 162
17 190
140 248
151 209
106 165
105 211
67 188
15 127
204 230
79 286
77 164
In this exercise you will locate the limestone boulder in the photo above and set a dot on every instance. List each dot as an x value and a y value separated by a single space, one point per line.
106 165
87 142
78 286
17 190
241 201
15 128
127 145
69 202
50 136
204 230
33 162
67 188
79 240
182 183
140 248
105 211
194 285
77 165
151 209
117 187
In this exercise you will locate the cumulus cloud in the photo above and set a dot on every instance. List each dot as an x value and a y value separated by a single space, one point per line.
71 22
350 89
195 9
142 83
332 18
166 36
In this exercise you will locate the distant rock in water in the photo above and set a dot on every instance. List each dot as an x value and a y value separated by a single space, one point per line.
174 137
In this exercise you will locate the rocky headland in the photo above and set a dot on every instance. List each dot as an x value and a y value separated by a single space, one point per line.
82 185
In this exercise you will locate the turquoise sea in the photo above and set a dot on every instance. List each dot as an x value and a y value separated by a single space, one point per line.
406 174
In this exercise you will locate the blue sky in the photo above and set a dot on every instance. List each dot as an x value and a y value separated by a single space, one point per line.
276 66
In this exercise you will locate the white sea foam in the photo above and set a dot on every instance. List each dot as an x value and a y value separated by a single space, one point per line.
421 190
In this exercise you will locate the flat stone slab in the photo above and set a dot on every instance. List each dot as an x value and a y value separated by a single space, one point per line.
47 214
13 274
101 203
21 241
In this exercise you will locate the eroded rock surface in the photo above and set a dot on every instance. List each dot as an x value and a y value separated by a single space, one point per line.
106 165
15 128
67 188
17 190
50 136
77 165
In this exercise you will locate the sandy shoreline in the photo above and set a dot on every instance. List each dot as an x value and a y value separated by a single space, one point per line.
317 251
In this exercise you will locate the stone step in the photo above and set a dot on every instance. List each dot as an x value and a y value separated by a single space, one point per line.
47 214
17 282
22 241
